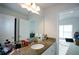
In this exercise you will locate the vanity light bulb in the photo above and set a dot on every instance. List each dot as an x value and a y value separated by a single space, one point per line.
38 9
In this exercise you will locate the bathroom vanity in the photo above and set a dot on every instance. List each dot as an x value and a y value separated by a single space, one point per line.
29 51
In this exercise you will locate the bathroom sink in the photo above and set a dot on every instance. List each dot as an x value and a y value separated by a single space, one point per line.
37 46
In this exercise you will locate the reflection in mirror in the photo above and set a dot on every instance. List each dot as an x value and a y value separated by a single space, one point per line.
30 28
6 28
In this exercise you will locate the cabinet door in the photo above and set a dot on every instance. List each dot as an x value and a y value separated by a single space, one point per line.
51 50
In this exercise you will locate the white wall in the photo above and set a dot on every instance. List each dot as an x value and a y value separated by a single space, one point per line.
6 28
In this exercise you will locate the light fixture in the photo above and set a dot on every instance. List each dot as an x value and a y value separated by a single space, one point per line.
31 7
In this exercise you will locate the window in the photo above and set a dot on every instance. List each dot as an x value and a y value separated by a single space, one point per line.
65 31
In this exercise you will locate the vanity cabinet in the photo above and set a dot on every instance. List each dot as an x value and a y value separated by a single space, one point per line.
51 50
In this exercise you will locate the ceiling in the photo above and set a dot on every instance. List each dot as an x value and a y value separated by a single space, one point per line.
70 14
46 5
16 7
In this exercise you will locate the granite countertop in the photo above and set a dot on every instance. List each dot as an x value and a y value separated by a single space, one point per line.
29 51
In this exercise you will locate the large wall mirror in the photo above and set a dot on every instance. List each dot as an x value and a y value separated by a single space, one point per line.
16 29
34 24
